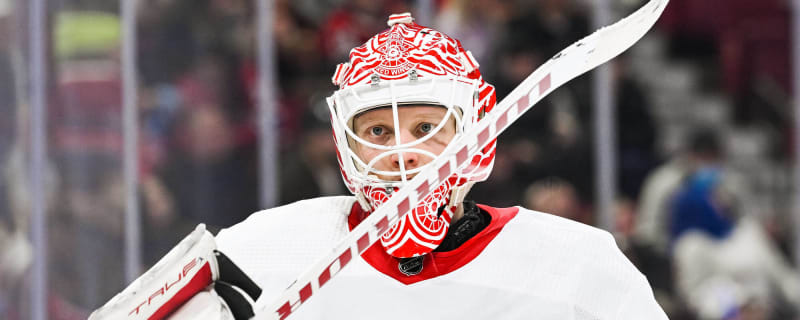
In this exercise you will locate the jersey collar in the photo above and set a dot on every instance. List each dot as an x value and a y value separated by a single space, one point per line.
435 263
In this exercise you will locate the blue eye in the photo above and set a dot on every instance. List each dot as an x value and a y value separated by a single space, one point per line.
426 127
376 131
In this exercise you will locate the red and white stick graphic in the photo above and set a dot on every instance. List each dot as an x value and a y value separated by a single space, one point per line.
578 58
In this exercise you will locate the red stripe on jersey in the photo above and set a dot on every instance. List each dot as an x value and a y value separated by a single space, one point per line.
435 263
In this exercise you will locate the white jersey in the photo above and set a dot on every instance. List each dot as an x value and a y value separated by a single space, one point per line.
524 265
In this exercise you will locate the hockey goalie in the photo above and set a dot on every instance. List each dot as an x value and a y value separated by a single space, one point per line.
403 97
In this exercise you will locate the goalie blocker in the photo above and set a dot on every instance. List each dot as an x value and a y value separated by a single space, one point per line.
192 281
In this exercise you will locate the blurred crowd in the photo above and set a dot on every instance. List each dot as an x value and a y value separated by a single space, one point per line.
702 147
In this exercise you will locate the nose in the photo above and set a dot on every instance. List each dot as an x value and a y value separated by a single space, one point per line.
410 160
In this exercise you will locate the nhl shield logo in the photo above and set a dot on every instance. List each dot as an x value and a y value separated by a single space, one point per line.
411 266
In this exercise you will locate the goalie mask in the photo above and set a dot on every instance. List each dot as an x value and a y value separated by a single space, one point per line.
403 73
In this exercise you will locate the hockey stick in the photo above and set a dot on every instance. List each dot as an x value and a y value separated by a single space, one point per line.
578 58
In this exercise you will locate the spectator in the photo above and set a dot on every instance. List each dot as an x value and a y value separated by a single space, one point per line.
726 266
555 196
91 208
653 222
313 170
650 238
636 131
209 178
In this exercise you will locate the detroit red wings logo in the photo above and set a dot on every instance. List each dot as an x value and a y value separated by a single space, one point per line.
394 53
394 56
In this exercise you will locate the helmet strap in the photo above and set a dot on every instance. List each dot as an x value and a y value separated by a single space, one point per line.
458 193
362 200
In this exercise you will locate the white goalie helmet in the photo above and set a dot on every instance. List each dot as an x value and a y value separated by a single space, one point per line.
409 65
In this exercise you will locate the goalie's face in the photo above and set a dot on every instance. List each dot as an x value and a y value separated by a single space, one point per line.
397 147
